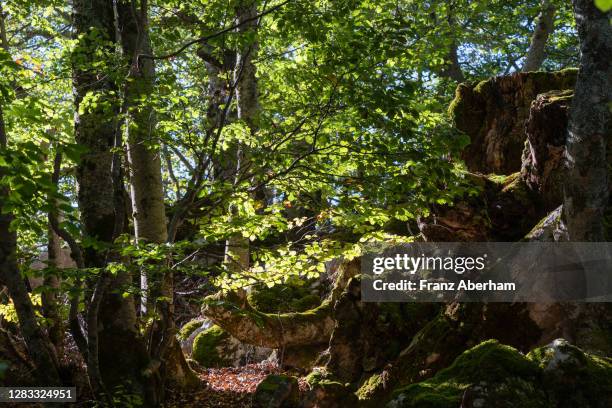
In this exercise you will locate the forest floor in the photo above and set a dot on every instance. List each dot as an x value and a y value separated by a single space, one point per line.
225 387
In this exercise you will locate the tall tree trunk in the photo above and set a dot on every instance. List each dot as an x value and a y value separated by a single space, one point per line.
544 27
115 343
146 186
39 347
237 254
589 127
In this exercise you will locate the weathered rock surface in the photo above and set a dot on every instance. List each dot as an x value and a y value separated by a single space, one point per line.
493 114
504 210
214 347
324 390
368 335
458 327
277 391
543 160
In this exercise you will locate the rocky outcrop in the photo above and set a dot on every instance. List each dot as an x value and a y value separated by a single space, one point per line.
368 335
543 160
493 113
495 375
517 125
505 209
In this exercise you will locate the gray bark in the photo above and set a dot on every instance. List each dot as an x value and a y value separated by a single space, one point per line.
146 188
237 255
544 27
115 343
147 195
51 281
589 127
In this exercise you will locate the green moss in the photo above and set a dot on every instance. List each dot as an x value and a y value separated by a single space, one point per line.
499 178
321 377
557 96
572 377
189 328
310 315
205 346
489 365
369 387
328 391
558 375
515 188
272 382
294 296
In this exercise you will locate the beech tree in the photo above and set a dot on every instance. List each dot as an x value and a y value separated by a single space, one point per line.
112 329
589 127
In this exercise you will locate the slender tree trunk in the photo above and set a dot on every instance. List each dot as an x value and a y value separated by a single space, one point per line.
589 127
49 297
237 256
146 186
544 27
453 68
39 347
115 342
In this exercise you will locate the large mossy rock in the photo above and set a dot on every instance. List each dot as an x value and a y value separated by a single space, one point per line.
214 347
458 327
487 375
495 375
493 113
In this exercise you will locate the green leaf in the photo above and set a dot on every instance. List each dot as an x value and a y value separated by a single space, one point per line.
604 5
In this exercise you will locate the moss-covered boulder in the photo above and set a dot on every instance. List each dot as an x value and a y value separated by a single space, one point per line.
188 332
495 375
277 391
573 378
188 328
487 375
457 328
493 113
214 347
